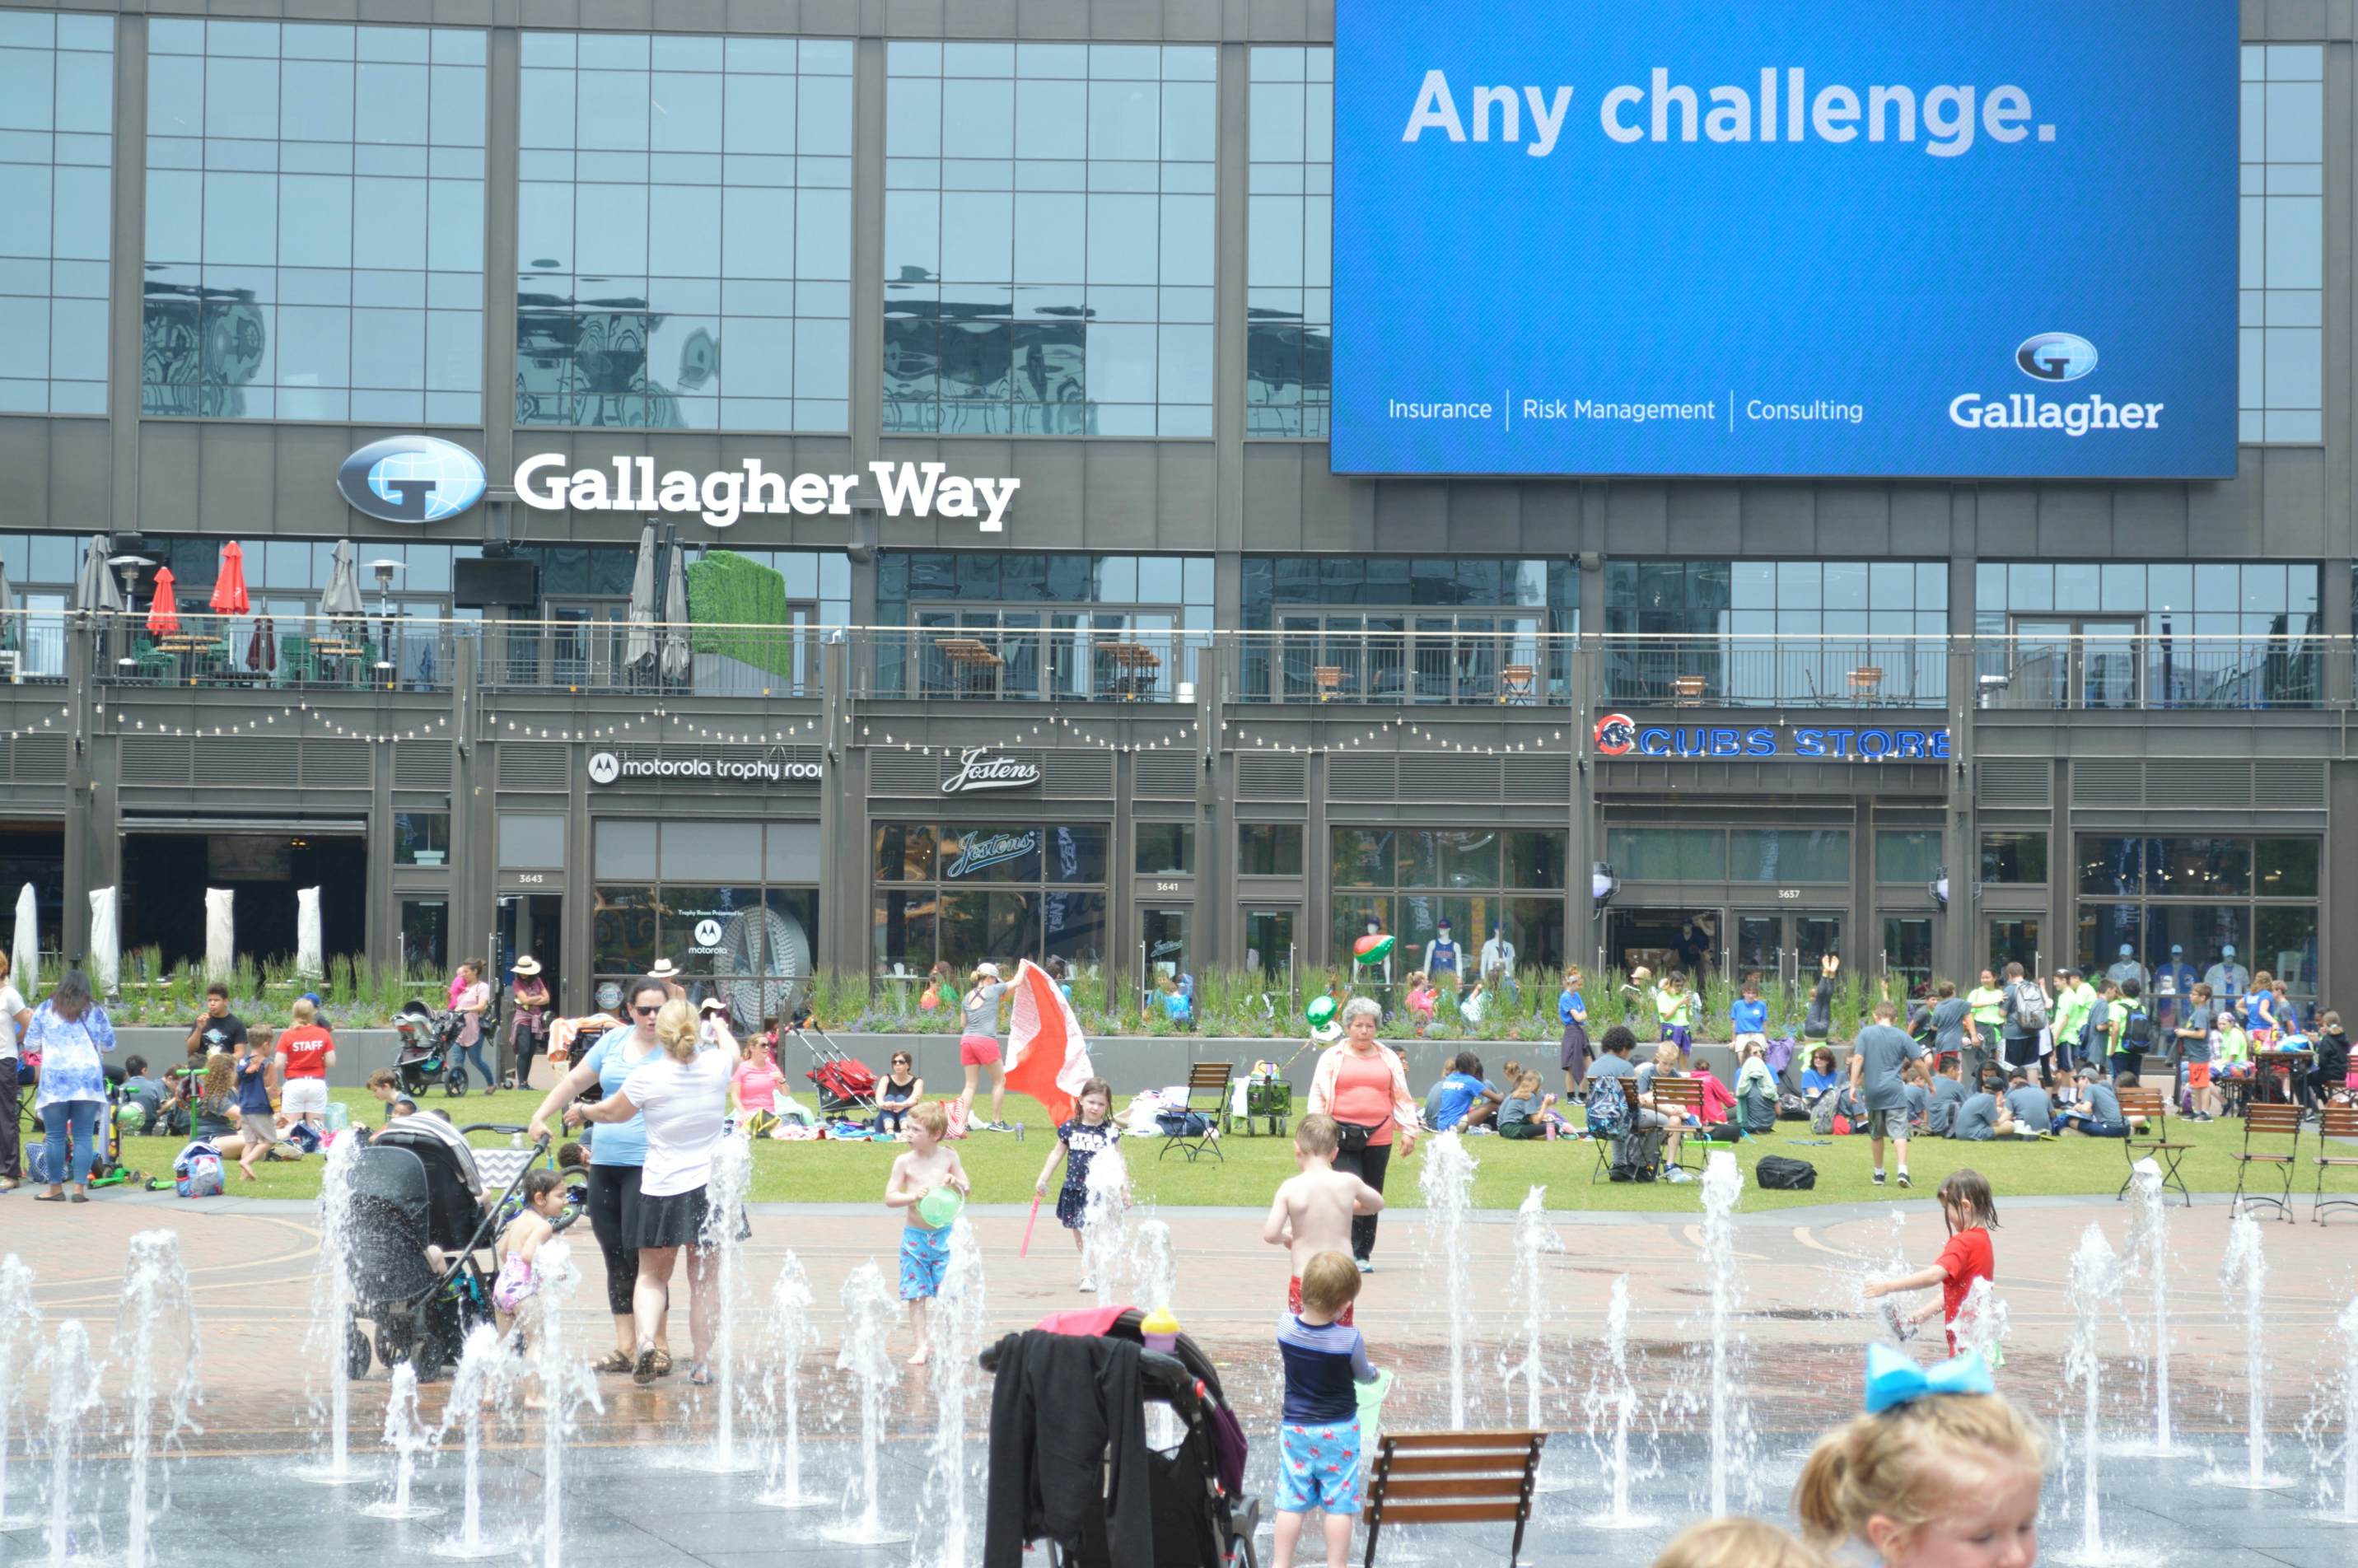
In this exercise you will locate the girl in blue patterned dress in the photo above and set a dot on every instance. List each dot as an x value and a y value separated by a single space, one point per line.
1078 1142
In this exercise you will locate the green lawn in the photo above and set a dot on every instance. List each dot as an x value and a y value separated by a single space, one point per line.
1003 1169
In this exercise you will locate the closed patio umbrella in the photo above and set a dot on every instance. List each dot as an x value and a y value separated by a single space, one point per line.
95 589
164 613
10 632
676 658
25 952
105 941
639 643
340 599
229 584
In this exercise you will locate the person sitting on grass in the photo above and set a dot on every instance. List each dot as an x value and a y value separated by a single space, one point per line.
1526 1113
1756 1085
148 1094
1980 1117
1819 1078
2026 1105
1947 1092
1461 1099
2095 1110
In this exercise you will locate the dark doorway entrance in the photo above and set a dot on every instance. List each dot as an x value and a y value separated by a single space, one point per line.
1664 939
532 924
165 876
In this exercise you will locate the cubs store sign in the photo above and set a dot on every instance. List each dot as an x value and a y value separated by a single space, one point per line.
1620 735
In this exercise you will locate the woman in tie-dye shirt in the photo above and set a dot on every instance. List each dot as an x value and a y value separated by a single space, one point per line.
69 1032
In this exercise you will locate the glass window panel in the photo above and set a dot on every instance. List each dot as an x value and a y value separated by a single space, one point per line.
2285 944
1269 850
1166 849
1363 857
2198 867
2286 868
1788 855
2111 865
1668 854
1909 855
2014 858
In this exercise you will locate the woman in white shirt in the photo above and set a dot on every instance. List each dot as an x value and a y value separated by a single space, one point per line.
14 1016
681 1098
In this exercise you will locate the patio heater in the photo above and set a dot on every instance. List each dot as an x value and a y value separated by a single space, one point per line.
127 568
384 569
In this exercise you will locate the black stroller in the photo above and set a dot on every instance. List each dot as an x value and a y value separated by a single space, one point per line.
428 1050
1200 1519
420 1214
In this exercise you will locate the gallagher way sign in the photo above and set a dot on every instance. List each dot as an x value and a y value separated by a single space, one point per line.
631 484
1786 237
1620 735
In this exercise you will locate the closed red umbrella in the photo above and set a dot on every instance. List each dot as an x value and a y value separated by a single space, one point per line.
164 615
229 584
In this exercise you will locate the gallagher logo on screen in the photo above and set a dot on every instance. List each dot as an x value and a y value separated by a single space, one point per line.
1615 733
411 479
2053 358
2056 356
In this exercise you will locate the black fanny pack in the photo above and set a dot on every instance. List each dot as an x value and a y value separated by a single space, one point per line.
1351 1137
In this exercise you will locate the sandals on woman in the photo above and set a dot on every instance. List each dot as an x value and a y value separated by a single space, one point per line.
644 1371
615 1361
701 1377
663 1362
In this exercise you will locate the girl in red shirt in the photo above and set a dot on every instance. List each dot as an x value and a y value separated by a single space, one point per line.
1967 1205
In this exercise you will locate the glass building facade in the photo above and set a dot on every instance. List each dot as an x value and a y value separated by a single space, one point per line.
56 148
2281 387
315 222
1049 236
677 195
1289 265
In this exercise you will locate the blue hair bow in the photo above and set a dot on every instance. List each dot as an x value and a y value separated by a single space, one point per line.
1893 1378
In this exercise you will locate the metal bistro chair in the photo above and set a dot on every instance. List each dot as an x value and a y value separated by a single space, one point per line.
2268 1121
2335 1121
2154 1107
1453 1478
1678 1098
1207 1096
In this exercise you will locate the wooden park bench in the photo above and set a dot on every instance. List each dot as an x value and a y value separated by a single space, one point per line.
1453 1478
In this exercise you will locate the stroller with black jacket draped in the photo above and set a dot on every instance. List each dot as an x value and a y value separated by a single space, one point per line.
1090 1502
420 1214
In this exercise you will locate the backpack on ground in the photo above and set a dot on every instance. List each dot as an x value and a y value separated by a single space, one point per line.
1638 1157
1791 1106
1779 1174
1822 1115
2029 1006
197 1171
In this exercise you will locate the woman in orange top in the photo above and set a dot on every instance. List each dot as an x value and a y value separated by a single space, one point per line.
1364 1086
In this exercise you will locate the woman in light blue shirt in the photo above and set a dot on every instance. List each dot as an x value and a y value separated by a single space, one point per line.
618 1155
69 1032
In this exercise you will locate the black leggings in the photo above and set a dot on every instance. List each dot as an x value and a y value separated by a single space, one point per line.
1369 1164
614 1194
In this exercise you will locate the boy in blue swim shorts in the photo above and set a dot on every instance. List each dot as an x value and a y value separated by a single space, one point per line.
1318 1437
925 1248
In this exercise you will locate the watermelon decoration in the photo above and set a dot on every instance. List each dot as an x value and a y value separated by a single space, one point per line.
1373 949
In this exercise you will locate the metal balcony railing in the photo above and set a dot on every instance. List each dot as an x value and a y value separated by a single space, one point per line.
1031 663
1463 668
1737 671
2150 673
1453 667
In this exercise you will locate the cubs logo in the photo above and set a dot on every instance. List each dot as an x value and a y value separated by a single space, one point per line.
1616 734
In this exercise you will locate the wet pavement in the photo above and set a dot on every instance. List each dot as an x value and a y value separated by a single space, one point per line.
1799 1327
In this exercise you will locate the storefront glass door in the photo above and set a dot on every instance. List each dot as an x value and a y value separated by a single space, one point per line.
1783 947
1162 947
1907 954
1662 940
1269 943
2014 939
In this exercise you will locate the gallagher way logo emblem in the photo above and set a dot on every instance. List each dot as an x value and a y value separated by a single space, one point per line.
411 479
2056 356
